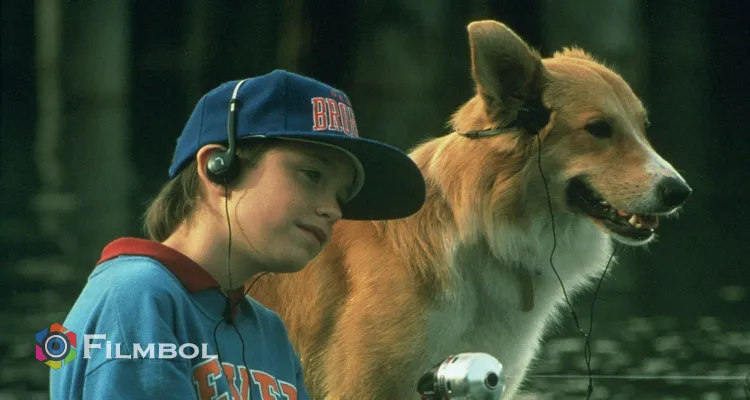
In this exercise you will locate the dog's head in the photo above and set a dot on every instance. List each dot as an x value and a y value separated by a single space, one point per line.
595 158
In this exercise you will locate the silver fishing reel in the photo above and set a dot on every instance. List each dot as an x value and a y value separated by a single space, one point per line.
464 376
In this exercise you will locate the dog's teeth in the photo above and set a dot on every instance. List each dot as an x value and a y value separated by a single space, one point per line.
634 221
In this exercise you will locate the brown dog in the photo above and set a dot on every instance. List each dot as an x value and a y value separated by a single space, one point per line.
470 271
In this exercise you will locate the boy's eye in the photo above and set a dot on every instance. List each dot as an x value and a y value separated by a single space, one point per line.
313 175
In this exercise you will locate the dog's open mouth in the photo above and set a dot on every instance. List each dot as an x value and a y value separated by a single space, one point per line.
639 228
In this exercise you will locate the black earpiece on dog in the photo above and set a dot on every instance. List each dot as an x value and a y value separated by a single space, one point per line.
223 167
532 117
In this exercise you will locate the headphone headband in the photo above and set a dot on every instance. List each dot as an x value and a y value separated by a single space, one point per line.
222 167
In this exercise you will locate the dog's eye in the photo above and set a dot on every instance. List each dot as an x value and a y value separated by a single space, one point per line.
600 129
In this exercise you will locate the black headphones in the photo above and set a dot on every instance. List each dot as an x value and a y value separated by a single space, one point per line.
532 117
223 167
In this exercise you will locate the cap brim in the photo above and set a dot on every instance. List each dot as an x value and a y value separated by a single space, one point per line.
393 188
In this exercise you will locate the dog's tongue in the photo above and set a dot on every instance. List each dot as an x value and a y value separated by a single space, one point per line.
525 289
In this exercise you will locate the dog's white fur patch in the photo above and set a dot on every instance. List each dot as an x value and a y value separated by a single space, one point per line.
460 323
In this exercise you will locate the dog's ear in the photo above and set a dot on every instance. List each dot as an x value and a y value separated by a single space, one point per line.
507 72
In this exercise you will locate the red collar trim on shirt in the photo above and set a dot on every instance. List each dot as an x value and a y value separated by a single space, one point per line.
190 273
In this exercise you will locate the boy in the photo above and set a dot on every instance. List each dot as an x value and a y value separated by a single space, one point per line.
263 169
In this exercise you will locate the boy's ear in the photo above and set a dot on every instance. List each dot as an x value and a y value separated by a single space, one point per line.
506 71
201 159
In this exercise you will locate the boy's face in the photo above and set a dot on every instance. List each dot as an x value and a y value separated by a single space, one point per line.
284 207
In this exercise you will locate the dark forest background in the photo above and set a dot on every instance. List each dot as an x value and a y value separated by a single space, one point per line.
95 93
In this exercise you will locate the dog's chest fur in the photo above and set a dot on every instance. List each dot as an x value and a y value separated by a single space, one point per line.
482 312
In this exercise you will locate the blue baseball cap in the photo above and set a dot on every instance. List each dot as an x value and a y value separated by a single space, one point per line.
288 106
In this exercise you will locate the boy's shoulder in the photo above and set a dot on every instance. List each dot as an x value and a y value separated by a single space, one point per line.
124 298
129 286
263 312
131 274
267 317
275 335
133 265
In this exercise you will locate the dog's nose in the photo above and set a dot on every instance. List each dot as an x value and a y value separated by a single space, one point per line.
673 192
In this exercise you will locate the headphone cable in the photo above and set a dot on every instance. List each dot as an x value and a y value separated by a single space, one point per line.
229 310
587 344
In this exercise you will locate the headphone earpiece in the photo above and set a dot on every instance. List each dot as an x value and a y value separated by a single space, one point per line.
533 116
223 167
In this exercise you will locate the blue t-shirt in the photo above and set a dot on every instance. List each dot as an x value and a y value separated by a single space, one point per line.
143 297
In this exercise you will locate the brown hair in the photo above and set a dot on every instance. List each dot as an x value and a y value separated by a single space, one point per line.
178 199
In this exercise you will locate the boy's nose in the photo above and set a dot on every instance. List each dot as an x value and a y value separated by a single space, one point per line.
330 211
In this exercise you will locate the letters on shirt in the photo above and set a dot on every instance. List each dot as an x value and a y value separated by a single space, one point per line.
211 383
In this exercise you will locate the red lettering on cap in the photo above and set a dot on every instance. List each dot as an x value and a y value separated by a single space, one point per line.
333 115
353 123
328 114
344 112
320 117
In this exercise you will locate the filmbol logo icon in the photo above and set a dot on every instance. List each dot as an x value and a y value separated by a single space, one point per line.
55 346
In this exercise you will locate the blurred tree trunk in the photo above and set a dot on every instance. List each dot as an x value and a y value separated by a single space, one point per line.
195 51
685 268
294 32
83 137
403 54
613 31
51 202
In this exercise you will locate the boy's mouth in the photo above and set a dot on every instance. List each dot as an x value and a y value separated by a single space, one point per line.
315 231
638 228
